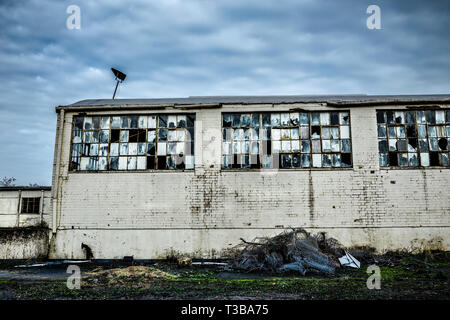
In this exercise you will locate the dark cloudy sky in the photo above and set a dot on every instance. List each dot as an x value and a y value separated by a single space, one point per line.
175 48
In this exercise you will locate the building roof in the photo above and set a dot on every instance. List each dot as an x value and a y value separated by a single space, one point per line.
25 188
211 101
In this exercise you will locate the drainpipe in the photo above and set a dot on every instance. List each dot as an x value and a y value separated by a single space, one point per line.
41 207
19 208
55 190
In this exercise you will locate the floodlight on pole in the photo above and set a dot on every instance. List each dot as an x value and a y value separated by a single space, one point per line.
120 76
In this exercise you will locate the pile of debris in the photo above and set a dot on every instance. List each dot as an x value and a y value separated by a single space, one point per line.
295 250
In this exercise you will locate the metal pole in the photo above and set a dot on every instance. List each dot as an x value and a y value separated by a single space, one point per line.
117 84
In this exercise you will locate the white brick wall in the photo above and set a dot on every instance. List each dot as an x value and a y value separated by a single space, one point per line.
202 213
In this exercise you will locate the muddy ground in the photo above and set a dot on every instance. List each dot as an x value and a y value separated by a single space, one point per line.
403 276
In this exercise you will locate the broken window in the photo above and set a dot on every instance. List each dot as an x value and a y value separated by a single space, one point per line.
30 205
133 142
418 138
286 140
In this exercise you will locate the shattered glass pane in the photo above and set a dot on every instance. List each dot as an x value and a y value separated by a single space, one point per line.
124 135
326 145
266 120
423 145
87 123
151 122
334 118
267 161
334 132
304 132
400 132
315 118
226 121
113 163
190 120
93 163
326 161
79 123
315 132
399 117
434 144
94 150
343 118
105 123
114 149
383 159
420 117
151 149
275 119
115 124
132 148
422 131
285 120
245 147
412 159
304 119
445 159
336 160
326 133
306 148
285 134
286 161
102 163
142 122
77 136
316 148
255 120
172 121
181 121
392 144
306 161
103 150
403 157
430 116
84 164
255 147
345 145
236 147
131 163
295 118
123 149
236 120
162 134
335 145
245 120
226 148
162 121
324 118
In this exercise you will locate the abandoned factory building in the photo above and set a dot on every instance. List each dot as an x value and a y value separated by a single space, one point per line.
152 177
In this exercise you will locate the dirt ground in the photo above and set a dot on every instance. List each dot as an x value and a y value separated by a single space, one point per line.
403 276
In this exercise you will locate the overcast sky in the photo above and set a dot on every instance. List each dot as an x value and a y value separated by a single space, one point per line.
174 48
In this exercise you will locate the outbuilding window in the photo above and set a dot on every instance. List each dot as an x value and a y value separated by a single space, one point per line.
30 205
286 140
133 142
413 138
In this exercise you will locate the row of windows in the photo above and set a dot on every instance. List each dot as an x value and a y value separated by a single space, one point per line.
133 142
284 140
414 138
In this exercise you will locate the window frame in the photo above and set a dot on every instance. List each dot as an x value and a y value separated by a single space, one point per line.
406 138
281 127
147 114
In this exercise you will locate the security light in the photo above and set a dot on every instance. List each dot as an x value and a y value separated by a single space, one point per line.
120 77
